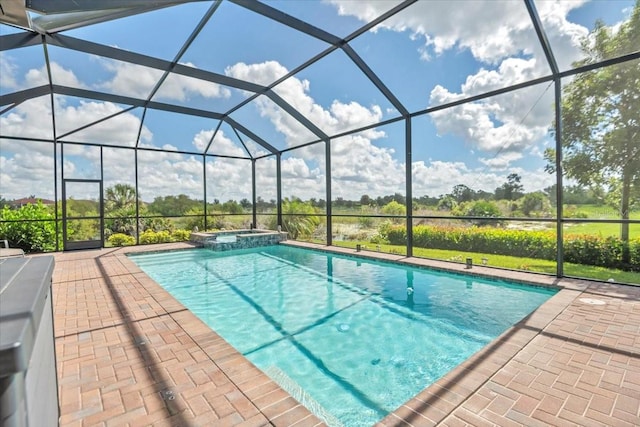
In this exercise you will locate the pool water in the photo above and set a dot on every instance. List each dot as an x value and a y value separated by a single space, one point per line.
351 339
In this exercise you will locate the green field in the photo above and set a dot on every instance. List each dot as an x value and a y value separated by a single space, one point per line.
508 262
600 212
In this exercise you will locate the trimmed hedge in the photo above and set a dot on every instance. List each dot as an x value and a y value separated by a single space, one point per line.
578 248
121 239
164 236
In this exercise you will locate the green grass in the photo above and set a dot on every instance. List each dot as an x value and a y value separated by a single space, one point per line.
507 262
603 229
601 211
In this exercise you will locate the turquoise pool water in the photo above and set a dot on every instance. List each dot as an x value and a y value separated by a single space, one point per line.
351 339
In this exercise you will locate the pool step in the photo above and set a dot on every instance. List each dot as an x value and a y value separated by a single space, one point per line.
298 393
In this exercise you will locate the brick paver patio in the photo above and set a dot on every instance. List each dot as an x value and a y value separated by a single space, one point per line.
129 354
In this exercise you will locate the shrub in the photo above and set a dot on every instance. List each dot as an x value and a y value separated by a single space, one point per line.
483 208
180 235
447 203
299 219
571 211
120 239
536 202
365 221
634 252
392 234
597 250
150 236
535 244
394 208
31 228
580 249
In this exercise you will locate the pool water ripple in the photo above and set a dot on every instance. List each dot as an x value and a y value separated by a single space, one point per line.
355 338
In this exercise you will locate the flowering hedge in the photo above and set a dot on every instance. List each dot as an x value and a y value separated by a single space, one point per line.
578 248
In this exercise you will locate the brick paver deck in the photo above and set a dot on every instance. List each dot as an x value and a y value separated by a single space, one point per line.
129 354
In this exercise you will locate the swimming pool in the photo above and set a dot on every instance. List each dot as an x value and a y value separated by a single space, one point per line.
351 339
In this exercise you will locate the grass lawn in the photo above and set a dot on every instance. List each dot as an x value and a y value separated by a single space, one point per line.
508 262
603 229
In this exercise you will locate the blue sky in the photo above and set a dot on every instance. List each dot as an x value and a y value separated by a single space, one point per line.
432 53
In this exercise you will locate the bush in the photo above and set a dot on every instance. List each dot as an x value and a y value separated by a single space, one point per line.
150 236
533 244
601 251
533 203
484 208
299 219
571 211
31 228
180 235
394 208
120 239
365 221
579 249
634 251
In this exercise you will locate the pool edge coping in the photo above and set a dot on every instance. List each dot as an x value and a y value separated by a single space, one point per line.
436 402
229 360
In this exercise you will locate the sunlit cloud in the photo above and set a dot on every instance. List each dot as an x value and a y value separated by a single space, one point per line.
8 72
339 117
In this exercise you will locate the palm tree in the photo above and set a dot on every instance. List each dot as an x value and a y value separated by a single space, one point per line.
120 207
120 196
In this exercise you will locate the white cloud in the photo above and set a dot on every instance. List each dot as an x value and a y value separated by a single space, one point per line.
439 177
121 130
501 161
230 179
30 119
163 174
507 123
129 79
180 88
137 81
59 75
267 72
339 117
564 36
491 30
8 68
499 127
460 24
26 168
500 36
221 144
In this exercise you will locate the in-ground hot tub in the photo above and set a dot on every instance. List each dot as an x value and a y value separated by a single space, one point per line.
237 239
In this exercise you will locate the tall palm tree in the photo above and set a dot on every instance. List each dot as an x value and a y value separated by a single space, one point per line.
120 196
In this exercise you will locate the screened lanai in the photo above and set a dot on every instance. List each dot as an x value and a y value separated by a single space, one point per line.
505 132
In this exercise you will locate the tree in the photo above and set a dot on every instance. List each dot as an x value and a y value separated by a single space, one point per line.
447 203
231 206
600 131
174 205
510 190
246 204
120 196
365 200
535 202
462 193
120 210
